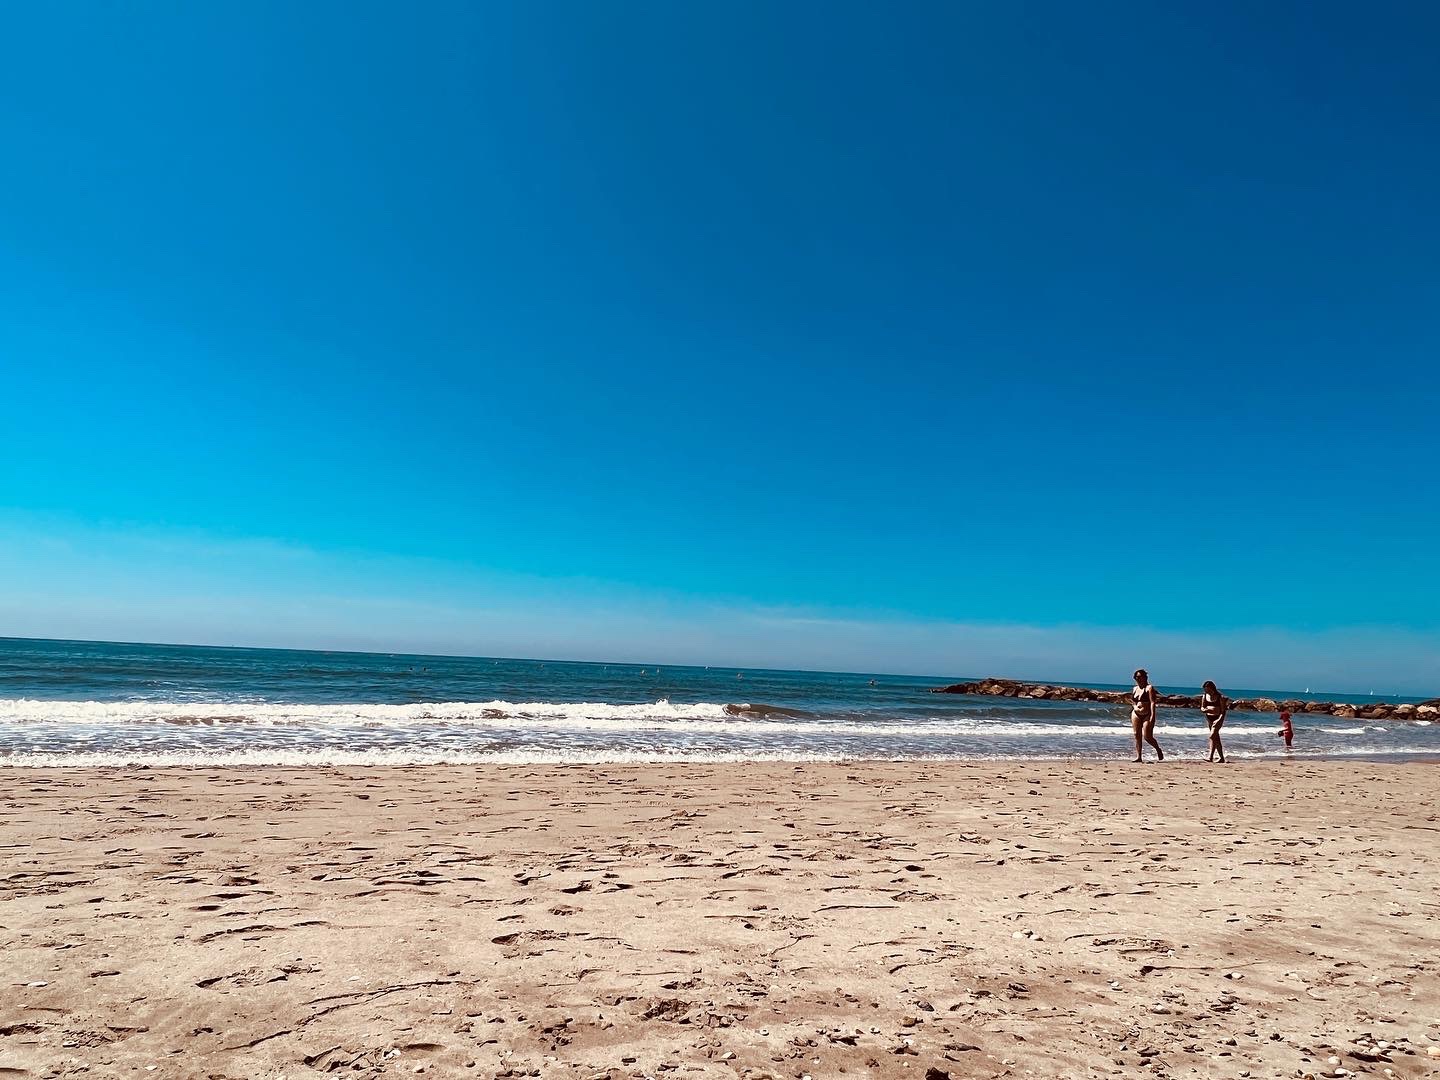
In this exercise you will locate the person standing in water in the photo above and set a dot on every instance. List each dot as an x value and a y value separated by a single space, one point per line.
1287 729
1214 705
1142 716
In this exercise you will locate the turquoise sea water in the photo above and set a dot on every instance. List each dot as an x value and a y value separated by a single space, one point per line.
70 702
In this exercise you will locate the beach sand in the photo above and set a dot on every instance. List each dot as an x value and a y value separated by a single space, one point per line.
1047 919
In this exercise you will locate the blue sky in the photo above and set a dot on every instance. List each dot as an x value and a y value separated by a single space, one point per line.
1048 336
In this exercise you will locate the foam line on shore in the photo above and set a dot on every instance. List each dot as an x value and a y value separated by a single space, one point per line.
704 718
421 757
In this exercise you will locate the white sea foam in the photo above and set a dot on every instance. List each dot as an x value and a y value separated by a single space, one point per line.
412 756
401 756
480 712
663 716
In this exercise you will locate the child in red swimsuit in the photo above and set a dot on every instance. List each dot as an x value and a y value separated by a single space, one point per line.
1287 731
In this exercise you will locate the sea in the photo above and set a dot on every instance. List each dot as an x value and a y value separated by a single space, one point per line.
86 703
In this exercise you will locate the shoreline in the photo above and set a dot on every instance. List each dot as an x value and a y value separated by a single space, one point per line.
321 762
770 920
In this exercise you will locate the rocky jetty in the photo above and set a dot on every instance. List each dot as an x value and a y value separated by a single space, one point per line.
1377 710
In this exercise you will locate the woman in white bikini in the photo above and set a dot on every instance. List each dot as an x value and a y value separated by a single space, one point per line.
1142 716
1214 705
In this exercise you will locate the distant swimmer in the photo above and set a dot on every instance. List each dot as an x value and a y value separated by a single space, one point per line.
872 682
1214 705
1142 715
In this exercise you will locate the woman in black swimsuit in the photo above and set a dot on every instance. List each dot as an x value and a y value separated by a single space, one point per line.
1142 715
1214 705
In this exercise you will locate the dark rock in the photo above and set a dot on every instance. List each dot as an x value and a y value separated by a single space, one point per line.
955 688
1180 701
1013 688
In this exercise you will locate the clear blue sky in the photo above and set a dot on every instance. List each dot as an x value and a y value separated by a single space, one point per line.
608 329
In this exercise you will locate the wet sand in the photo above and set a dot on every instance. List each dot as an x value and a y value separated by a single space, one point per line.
1043 919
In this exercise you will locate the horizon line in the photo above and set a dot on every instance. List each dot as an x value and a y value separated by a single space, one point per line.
628 663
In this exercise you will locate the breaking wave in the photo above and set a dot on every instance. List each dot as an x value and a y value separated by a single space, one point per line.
701 718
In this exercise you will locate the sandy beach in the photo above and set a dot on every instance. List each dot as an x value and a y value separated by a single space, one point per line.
1047 919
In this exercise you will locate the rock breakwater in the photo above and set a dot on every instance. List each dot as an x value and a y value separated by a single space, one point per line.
1378 710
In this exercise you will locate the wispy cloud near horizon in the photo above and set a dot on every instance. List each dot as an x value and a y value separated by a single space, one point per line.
75 582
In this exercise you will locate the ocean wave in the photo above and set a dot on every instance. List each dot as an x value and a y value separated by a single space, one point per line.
735 719
418 713
765 712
